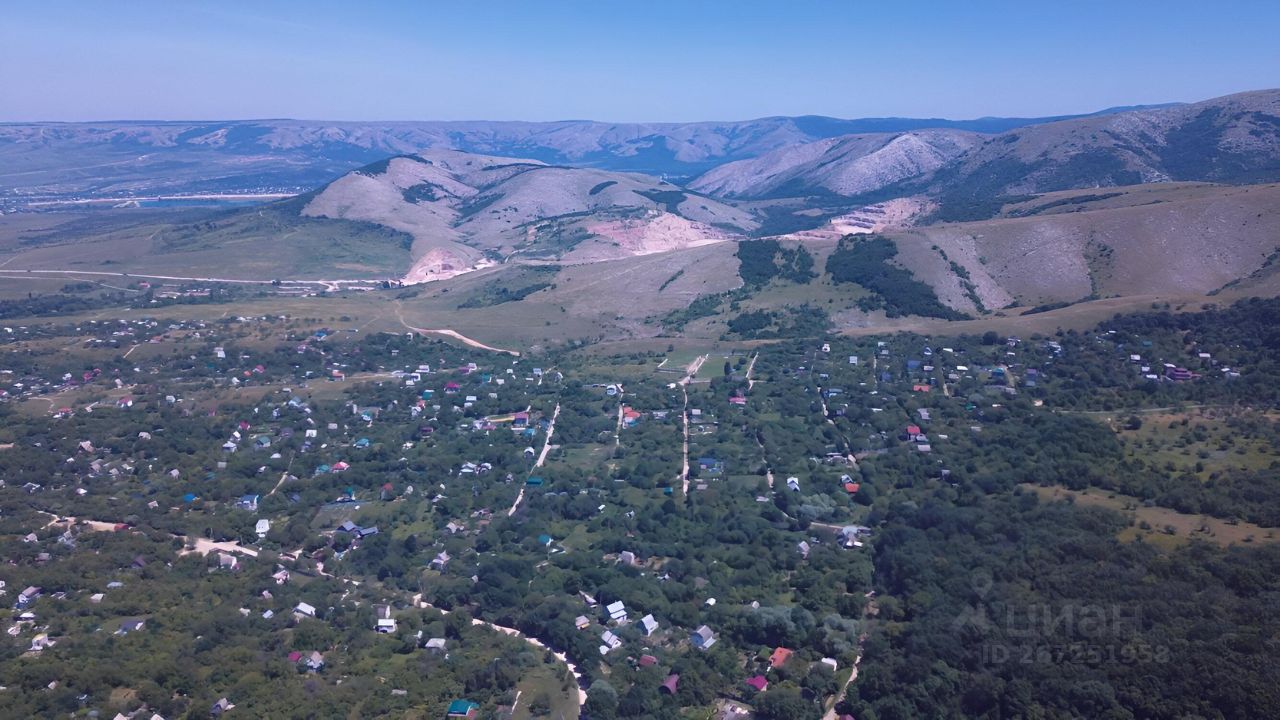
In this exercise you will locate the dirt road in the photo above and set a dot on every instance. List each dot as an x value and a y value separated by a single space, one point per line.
542 457
470 342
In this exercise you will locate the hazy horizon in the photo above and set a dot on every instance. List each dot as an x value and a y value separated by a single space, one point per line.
665 62
340 120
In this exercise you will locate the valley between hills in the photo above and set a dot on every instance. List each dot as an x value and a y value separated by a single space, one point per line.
782 419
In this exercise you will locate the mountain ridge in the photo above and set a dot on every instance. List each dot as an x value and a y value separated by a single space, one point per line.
46 160
1231 139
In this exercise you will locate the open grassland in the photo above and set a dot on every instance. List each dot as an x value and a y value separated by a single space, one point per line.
1204 441
271 242
1160 526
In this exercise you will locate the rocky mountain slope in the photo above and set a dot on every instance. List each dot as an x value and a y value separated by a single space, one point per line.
1233 139
1073 245
465 211
849 165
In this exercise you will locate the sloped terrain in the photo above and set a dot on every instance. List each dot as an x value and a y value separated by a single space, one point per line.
265 243
851 165
1136 241
1233 139
466 210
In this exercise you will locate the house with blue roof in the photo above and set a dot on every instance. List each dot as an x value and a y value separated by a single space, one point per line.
462 709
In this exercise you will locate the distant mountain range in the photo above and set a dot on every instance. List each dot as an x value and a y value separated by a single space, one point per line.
1233 139
113 159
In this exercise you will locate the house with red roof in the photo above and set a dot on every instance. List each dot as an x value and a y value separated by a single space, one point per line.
758 682
779 657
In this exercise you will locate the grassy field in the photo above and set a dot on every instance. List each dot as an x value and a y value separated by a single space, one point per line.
1160 526
271 241
1203 441
587 304
544 690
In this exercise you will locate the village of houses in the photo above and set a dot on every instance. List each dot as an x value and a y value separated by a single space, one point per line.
398 479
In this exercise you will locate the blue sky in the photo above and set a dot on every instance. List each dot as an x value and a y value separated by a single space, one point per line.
622 60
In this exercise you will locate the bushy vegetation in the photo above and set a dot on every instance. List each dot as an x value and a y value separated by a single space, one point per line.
422 191
1065 202
497 293
702 306
803 321
865 260
760 261
1038 611
669 199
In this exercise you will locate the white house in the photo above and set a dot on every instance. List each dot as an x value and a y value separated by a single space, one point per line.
611 642
648 625
703 638
617 612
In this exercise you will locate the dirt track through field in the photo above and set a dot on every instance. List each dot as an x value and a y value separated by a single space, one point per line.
470 342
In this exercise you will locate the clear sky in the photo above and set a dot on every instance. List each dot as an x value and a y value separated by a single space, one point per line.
622 60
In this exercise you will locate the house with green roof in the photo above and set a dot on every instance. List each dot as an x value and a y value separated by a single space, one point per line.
462 709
